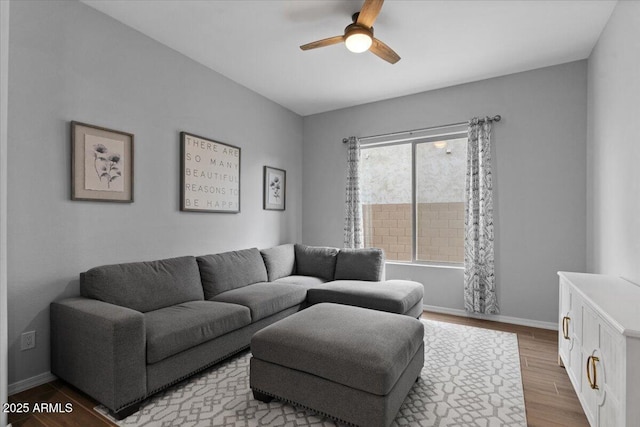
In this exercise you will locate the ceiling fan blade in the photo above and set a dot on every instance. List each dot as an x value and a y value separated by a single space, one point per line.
384 51
369 12
322 43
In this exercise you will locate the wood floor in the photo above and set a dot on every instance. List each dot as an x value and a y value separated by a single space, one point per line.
549 397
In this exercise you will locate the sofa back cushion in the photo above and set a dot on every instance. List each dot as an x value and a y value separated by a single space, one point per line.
231 270
280 261
316 261
360 264
144 286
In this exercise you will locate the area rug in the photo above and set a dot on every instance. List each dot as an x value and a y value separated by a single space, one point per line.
471 377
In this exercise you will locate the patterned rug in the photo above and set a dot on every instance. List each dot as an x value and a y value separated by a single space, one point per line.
471 377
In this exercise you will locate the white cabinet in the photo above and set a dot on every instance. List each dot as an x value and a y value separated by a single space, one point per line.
599 345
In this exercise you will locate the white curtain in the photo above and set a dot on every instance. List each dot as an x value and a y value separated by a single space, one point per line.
353 208
479 275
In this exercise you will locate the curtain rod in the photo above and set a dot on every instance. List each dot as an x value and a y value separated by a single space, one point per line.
495 118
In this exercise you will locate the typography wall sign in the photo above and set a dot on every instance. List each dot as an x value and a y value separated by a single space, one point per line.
210 175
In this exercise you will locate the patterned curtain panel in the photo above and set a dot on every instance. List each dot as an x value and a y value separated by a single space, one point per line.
479 276
353 208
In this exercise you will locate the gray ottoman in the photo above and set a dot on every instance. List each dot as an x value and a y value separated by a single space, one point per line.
395 296
349 363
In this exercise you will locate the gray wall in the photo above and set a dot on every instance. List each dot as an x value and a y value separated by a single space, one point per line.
539 160
4 68
613 154
70 62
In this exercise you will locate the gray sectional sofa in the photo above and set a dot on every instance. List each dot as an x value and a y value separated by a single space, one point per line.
138 328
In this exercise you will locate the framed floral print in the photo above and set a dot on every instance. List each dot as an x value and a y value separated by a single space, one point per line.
101 164
275 186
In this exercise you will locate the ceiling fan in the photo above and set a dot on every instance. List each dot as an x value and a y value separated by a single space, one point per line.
358 36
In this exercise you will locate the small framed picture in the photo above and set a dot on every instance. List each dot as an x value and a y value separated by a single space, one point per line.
101 164
210 176
275 189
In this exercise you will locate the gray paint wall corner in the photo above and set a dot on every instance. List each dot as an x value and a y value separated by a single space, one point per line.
4 85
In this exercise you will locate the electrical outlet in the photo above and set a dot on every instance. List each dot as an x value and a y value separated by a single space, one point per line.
28 340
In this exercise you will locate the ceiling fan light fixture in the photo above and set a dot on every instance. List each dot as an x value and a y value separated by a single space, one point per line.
358 39
358 36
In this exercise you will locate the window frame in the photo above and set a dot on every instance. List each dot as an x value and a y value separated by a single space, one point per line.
414 141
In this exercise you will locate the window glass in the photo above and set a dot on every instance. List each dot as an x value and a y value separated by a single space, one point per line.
440 181
393 193
386 198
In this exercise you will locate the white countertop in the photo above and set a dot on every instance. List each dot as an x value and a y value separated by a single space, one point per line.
615 298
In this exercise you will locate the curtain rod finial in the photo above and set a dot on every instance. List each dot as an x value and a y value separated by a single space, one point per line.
345 140
497 118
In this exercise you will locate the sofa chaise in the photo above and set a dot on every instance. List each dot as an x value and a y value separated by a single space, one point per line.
138 328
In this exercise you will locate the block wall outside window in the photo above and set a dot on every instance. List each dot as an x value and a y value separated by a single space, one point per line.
389 227
440 236
440 232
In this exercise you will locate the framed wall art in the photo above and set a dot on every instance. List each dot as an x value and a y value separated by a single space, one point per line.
101 164
275 189
210 175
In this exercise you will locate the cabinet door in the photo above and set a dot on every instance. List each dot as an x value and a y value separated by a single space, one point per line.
609 412
575 353
565 323
590 346
602 382
610 375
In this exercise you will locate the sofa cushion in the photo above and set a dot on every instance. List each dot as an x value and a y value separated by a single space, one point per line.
360 264
144 286
171 330
395 296
231 270
304 281
279 260
316 261
265 299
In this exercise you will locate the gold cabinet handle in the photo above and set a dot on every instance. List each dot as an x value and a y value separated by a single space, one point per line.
591 362
565 327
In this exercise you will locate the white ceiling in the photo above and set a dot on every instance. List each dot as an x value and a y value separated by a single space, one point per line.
442 43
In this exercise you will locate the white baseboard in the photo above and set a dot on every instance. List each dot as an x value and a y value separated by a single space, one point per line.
43 378
495 317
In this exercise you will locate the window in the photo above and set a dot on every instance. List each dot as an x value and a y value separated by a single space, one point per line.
413 198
